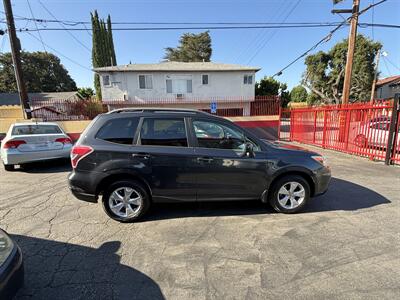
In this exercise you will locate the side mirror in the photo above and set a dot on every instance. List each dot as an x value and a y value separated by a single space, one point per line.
249 150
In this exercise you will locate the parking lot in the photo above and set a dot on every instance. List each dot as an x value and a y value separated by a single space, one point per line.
345 245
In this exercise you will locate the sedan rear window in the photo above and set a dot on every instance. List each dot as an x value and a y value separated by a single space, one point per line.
120 131
35 129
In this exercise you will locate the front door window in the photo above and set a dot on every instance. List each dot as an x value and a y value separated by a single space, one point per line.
219 136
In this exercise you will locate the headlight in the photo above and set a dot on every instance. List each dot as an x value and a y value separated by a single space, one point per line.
321 159
6 246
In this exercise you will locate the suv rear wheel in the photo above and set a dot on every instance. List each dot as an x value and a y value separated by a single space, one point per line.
289 194
126 201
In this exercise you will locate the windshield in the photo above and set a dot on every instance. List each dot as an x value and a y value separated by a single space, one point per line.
35 129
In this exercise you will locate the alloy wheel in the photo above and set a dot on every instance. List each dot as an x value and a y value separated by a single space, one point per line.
291 195
125 202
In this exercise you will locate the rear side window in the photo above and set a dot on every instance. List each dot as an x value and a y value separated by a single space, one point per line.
120 131
163 132
35 129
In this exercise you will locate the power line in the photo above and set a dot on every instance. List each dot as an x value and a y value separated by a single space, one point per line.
395 26
393 65
59 53
387 68
40 36
258 39
3 41
273 33
372 20
327 37
65 28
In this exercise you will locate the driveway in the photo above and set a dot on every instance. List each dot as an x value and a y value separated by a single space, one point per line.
345 245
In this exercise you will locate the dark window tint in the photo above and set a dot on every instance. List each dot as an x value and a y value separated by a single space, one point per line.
215 135
163 132
121 131
35 129
205 79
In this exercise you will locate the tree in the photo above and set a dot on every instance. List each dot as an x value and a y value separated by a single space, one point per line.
192 48
103 53
43 72
85 93
324 73
269 86
298 94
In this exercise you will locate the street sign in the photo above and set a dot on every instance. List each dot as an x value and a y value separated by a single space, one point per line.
213 107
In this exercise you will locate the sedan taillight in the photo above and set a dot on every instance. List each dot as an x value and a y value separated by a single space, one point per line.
13 144
79 152
64 140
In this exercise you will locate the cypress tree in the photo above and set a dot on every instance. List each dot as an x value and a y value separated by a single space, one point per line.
111 42
103 53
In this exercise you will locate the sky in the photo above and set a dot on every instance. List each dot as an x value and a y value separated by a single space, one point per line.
269 49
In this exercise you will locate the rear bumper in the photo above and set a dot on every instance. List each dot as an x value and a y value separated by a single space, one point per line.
11 274
83 185
15 157
79 194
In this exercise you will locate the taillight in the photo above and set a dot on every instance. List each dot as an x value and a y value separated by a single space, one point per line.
79 152
64 140
13 144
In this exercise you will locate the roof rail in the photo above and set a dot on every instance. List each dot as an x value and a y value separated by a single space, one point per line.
156 109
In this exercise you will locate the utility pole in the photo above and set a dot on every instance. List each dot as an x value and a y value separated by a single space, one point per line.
350 52
378 55
16 57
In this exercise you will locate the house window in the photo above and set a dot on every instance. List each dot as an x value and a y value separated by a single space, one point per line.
204 79
106 80
248 79
146 82
179 86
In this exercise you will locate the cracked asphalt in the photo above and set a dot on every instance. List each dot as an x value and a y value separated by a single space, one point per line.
346 245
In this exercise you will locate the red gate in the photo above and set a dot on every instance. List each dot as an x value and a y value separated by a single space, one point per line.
360 129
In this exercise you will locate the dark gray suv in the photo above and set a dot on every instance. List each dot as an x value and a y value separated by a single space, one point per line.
134 157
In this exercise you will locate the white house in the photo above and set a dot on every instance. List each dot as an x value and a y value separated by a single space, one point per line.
183 84
387 87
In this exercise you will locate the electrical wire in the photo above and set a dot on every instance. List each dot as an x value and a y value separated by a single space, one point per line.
33 17
326 38
2 43
65 28
391 63
363 25
273 33
387 68
261 34
63 55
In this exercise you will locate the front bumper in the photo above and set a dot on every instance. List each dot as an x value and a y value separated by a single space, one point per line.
11 274
15 157
322 178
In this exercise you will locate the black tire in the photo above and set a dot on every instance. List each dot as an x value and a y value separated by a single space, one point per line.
285 182
138 188
9 167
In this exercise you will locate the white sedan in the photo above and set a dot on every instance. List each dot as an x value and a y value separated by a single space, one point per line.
30 142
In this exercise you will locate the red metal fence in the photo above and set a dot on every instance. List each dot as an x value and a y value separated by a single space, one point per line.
360 129
78 109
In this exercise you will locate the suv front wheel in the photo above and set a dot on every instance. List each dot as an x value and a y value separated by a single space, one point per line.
289 194
126 201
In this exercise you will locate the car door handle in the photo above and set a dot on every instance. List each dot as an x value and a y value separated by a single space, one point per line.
204 159
141 155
